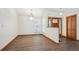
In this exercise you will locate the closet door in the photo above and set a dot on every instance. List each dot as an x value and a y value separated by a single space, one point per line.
73 27
69 27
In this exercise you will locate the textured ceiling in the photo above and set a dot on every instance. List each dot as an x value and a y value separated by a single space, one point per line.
39 11
60 9
27 11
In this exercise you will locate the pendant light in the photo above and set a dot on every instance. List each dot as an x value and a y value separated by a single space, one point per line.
31 15
60 13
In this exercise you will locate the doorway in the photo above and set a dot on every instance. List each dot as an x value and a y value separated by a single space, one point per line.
71 27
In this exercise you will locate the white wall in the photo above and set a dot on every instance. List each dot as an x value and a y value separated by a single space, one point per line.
52 33
27 26
38 25
8 26
68 13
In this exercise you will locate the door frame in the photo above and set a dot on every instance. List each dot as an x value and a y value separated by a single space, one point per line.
61 27
60 35
67 26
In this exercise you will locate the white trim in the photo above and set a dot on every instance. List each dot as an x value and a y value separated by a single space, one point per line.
7 42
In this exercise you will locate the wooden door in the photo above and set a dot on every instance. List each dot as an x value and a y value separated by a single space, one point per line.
71 27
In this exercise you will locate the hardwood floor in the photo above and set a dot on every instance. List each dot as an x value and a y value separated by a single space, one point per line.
41 43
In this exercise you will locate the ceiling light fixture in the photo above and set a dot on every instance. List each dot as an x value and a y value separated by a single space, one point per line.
31 15
60 12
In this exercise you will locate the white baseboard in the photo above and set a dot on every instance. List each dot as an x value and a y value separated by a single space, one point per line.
30 34
12 38
7 42
53 39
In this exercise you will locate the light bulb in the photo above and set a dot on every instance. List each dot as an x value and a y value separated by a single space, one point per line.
31 18
61 13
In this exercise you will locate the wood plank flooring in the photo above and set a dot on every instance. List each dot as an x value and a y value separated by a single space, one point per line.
40 43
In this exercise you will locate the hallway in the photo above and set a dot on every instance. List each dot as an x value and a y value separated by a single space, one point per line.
40 43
